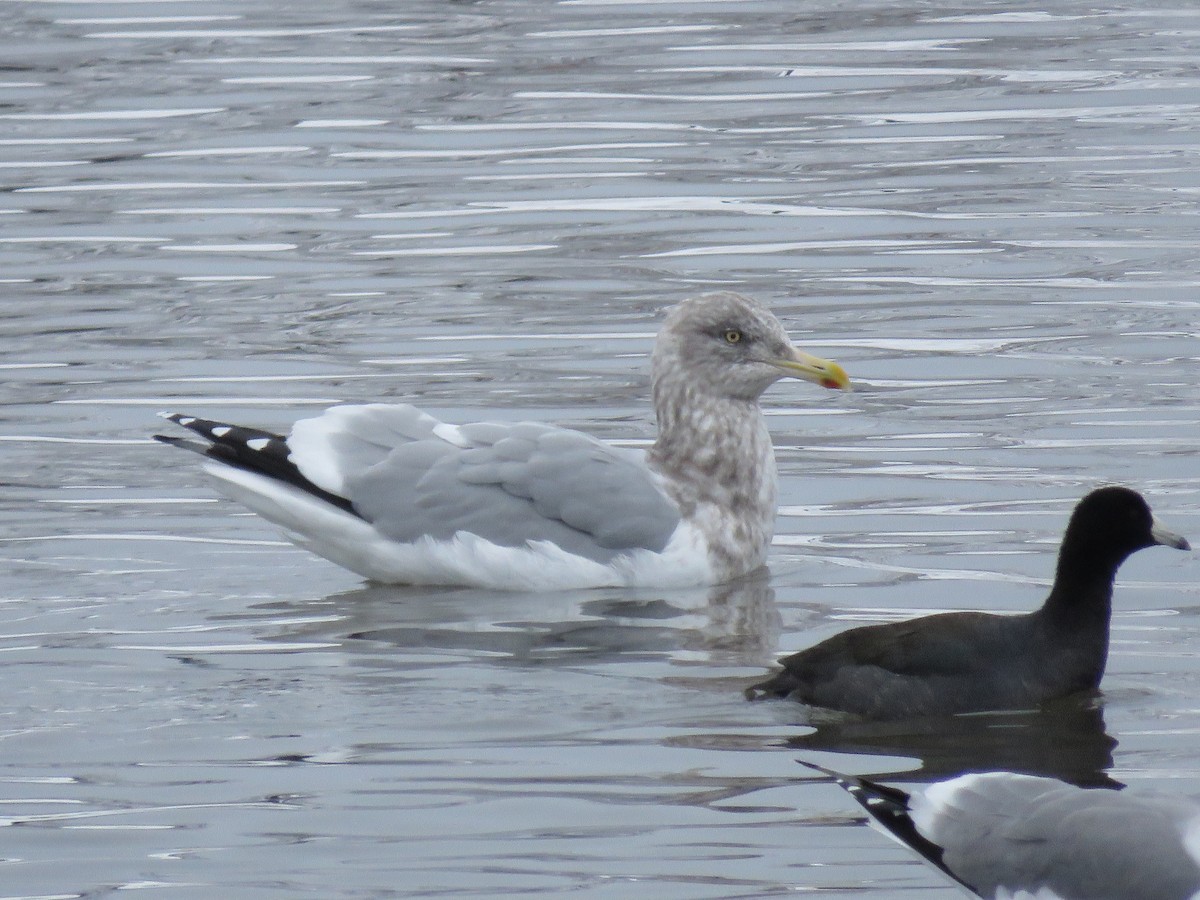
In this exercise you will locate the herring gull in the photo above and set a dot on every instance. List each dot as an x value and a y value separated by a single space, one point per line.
960 662
1004 835
397 496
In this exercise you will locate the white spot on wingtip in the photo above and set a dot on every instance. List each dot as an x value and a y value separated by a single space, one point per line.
185 421
258 443
221 430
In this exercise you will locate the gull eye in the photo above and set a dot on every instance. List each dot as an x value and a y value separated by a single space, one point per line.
733 336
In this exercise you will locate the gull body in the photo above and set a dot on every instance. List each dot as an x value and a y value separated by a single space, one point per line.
1006 836
395 495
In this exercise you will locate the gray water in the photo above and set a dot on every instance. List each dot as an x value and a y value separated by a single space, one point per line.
251 210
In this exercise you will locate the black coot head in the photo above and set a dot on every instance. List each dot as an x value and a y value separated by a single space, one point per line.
1113 522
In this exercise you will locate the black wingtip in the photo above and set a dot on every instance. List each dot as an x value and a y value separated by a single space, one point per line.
181 419
862 789
836 776
182 443
250 449
889 807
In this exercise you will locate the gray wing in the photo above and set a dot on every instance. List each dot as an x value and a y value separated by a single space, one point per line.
412 477
1007 833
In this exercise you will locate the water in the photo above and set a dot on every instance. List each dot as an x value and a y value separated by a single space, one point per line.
986 211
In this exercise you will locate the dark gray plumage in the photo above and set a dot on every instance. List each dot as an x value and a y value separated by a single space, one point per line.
1002 835
972 661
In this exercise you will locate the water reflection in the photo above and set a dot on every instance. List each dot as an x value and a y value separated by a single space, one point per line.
565 628
1066 740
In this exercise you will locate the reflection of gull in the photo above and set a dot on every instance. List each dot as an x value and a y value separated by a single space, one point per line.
397 496
597 626
1002 835
971 661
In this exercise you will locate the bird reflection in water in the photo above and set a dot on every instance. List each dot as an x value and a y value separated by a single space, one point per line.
574 627
1065 739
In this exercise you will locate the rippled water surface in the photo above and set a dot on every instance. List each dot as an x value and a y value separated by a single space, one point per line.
250 210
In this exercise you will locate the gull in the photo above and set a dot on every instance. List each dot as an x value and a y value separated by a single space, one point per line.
397 496
1006 836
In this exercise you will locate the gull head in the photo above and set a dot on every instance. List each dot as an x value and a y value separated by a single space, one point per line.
726 345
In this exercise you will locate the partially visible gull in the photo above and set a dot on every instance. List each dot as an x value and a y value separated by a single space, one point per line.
1004 836
972 661
397 496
